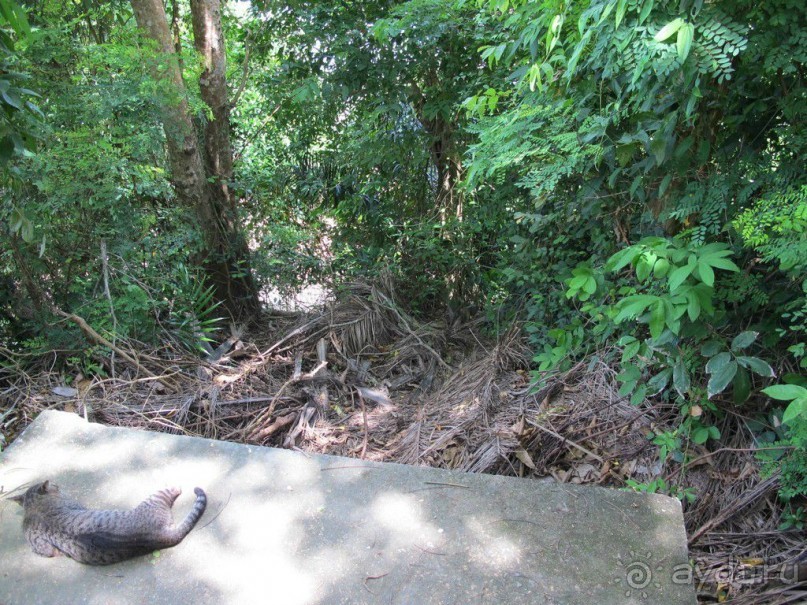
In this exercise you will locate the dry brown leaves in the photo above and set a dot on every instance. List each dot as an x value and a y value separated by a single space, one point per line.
365 379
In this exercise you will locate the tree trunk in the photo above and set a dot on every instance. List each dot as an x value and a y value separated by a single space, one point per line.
448 167
209 42
208 39
225 257
443 153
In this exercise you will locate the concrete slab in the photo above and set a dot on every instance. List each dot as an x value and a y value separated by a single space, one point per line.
288 528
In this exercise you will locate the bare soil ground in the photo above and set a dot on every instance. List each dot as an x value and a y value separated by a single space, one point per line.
362 378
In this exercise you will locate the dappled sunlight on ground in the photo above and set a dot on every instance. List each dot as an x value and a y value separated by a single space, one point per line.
307 298
495 549
285 527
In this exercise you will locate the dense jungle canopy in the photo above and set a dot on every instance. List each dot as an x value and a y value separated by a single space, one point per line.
618 186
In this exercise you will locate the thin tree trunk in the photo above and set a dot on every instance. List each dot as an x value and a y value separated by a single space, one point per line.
224 259
444 157
208 39
209 42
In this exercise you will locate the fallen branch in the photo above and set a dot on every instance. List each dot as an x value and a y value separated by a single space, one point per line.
95 338
279 423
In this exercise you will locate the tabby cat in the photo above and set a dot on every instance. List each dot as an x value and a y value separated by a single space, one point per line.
55 524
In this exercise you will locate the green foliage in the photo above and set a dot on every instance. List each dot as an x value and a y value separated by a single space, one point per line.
660 486
795 394
783 440
665 317
624 176
775 226
190 311
376 155
674 121
792 466
793 518
19 115
93 216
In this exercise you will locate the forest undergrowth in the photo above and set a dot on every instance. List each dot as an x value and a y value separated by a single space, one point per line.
363 378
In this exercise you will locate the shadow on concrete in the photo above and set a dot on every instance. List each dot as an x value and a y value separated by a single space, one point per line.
285 527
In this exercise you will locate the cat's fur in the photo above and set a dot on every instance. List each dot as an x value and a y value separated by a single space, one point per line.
55 524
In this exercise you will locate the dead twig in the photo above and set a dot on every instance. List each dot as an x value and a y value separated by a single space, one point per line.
569 442
95 338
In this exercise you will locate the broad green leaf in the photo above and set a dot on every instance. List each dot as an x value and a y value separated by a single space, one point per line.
700 435
693 305
576 283
715 249
711 348
673 311
707 275
629 373
613 177
705 294
27 231
608 8
668 30
785 392
622 258
621 5
722 375
624 153
578 51
742 385
643 267
678 276
657 319
634 186
658 146
665 182
534 78
722 263
633 306
676 306
627 388
681 378
661 268
551 41
12 99
684 40
630 351
660 381
798 407
718 362
582 22
646 8
743 340
638 395
15 17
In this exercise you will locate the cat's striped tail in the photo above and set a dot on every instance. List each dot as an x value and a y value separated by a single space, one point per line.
184 528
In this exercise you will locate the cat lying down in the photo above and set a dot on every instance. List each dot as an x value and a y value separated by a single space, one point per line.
55 525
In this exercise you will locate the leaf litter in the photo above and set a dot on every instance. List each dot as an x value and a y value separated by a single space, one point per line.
363 378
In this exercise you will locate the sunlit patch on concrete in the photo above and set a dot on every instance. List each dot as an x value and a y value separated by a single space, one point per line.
286 527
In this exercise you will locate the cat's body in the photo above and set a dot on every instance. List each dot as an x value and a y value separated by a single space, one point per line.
55 524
